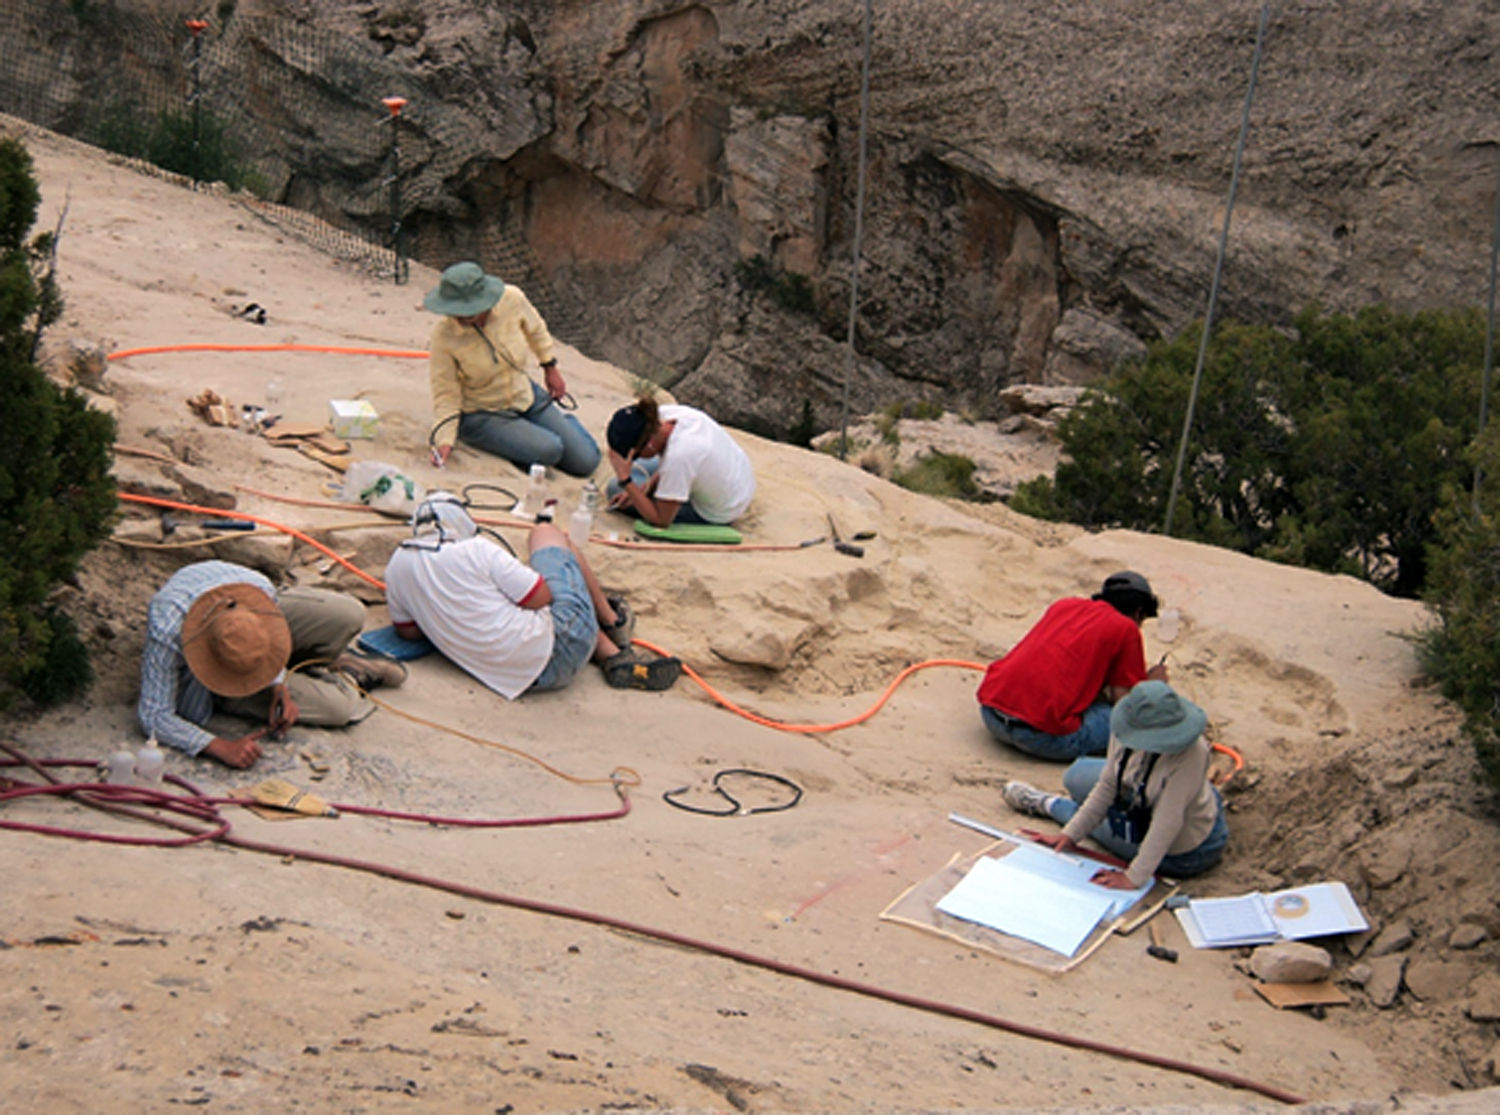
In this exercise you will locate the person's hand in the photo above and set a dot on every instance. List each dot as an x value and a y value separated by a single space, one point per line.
556 387
440 455
1113 878
238 753
619 500
1157 672
283 710
1057 842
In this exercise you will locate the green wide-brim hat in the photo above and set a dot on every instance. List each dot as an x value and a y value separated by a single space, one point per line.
464 291
1152 717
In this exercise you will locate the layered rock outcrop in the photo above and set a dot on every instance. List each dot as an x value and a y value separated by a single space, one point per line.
1045 188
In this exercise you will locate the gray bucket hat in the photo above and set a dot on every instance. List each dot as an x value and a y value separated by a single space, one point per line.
1152 717
463 291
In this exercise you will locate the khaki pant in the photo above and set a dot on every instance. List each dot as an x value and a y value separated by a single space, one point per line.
322 623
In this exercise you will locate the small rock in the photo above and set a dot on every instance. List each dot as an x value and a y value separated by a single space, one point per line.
1435 980
1400 778
1359 974
1393 938
1383 868
1356 943
1467 936
1384 984
1290 962
1492 1062
1484 999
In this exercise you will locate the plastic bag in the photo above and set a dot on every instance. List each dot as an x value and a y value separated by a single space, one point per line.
381 486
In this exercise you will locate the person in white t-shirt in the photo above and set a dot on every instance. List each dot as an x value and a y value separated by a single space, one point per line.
676 464
516 627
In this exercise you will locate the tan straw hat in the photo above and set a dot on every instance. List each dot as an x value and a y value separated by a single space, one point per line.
235 640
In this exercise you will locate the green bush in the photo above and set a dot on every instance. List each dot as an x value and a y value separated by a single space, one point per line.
787 289
57 498
1462 649
950 475
1328 447
195 145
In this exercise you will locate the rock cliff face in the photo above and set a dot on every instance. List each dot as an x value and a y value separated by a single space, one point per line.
1045 190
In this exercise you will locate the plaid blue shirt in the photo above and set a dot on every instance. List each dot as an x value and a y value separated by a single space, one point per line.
173 702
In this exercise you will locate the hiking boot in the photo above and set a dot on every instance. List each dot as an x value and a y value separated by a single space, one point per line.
628 670
1023 797
370 673
623 629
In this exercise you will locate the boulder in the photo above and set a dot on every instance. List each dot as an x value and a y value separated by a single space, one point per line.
1290 962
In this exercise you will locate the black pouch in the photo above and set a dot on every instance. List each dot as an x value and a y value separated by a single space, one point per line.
1129 815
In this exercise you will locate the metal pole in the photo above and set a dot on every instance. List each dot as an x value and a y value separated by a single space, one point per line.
1489 342
394 105
197 27
1213 290
859 232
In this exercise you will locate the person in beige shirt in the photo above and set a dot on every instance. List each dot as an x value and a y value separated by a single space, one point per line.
1148 800
481 392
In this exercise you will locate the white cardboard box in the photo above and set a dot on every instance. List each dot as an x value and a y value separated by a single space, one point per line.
352 418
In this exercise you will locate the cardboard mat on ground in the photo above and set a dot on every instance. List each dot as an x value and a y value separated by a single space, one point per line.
1009 909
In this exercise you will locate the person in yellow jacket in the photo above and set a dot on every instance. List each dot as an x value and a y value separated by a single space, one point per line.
481 392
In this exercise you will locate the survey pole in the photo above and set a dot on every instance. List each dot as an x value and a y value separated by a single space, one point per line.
195 91
394 105
1213 290
859 231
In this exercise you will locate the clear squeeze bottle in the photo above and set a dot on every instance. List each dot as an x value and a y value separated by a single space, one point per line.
582 521
149 763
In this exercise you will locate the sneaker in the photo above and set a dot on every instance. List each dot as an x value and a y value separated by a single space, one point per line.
1023 797
628 670
623 629
370 673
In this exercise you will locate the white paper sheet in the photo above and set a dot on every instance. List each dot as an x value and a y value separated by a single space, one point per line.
1007 896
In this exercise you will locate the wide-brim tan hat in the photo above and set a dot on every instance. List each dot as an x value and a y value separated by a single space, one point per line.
235 640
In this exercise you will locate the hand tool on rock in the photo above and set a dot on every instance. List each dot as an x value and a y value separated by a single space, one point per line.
1156 948
839 544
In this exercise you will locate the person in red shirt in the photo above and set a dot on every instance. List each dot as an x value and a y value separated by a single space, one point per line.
1051 695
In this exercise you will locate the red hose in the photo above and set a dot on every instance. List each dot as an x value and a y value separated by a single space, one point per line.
99 797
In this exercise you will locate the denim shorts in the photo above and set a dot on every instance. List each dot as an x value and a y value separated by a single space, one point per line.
575 627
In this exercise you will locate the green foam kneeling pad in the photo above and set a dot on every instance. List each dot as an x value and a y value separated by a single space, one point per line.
689 532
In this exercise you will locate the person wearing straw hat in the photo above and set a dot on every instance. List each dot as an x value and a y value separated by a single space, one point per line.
1148 801
481 392
219 636
517 627
1050 695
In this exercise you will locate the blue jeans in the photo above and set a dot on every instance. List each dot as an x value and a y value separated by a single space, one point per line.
1080 779
1091 738
575 627
543 435
640 472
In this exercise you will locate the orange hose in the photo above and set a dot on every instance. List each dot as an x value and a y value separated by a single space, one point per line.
131 497
805 729
345 350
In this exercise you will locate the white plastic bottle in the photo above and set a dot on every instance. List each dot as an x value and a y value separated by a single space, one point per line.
1167 623
119 767
535 500
150 763
581 523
